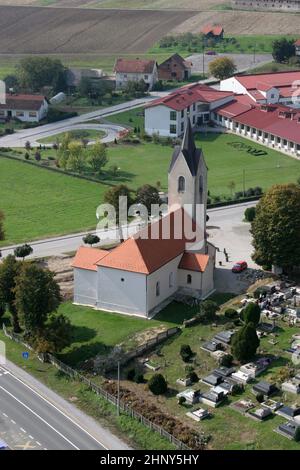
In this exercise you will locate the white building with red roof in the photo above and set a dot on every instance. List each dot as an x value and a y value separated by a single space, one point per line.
166 116
297 47
168 257
26 108
135 70
267 88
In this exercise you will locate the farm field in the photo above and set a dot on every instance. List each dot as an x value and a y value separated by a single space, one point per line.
129 4
67 30
68 204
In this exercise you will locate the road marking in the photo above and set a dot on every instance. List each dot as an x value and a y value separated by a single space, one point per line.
39 417
23 430
57 409
31 437
4 414
38 443
12 421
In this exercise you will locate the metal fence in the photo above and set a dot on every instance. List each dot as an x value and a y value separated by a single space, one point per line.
74 374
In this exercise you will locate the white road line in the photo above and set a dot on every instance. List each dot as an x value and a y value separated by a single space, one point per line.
31 437
57 409
4 414
38 443
12 421
39 417
23 430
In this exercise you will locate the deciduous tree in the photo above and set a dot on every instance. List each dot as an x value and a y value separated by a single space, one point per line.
276 227
222 67
9 270
245 343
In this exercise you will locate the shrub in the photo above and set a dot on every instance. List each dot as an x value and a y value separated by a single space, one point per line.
181 400
139 378
297 434
157 384
186 352
193 377
231 313
249 214
131 374
260 397
226 360
237 389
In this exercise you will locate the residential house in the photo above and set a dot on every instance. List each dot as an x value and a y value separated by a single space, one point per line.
128 70
215 32
297 46
175 68
167 116
143 273
25 108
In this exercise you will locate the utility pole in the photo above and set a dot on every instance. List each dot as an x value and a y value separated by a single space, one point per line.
244 182
203 58
118 399
254 52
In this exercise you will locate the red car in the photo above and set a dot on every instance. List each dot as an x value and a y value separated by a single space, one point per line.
239 267
211 53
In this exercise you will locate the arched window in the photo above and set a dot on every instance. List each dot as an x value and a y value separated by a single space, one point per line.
201 183
189 279
181 184
157 289
171 279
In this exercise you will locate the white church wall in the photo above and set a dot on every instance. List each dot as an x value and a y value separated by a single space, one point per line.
232 84
85 286
195 277
162 276
121 291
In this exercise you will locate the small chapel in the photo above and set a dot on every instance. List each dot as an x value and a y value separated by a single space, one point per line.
145 273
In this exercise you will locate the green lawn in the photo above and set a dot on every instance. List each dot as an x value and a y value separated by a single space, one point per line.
132 118
97 332
39 203
89 134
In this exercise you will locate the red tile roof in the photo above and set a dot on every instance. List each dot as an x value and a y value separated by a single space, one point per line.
134 66
297 43
239 105
23 102
216 30
188 95
146 255
194 262
264 81
87 258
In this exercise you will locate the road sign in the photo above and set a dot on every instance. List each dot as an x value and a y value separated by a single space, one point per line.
25 355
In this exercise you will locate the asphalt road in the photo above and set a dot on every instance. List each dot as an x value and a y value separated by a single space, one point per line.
34 417
19 138
243 62
225 227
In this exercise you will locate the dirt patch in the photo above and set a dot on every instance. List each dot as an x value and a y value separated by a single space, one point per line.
61 266
243 22
34 30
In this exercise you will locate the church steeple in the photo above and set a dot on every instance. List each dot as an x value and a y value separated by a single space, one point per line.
188 175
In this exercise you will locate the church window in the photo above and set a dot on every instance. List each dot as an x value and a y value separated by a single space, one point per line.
157 289
171 279
181 184
189 279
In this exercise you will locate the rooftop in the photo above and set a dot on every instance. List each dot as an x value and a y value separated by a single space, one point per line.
23 102
134 66
87 258
188 95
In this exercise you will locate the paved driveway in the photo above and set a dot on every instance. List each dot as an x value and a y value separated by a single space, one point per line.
243 61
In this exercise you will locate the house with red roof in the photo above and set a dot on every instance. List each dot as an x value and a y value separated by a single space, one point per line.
135 70
167 116
267 88
167 258
215 32
25 108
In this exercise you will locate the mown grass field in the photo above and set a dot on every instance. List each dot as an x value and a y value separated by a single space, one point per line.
88 134
38 203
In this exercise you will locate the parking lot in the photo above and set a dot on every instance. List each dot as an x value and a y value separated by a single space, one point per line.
242 61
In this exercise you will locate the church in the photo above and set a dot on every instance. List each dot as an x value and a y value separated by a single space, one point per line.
150 269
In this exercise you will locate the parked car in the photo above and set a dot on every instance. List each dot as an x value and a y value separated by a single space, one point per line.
239 267
211 53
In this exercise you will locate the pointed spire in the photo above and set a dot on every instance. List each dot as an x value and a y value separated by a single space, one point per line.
188 141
